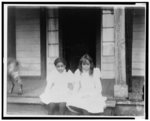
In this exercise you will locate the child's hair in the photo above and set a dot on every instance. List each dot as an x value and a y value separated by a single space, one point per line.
83 59
58 60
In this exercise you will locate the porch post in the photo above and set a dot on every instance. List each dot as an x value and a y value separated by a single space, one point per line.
43 42
11 52
120 87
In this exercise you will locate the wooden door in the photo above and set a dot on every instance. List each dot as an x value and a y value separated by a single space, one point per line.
78 28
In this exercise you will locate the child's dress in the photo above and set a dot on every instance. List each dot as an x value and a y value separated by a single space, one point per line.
57 89
89 95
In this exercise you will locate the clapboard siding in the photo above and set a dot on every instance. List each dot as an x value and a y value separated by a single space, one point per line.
138 48
28 41
107 74
32 60
139 35
138 27
107 43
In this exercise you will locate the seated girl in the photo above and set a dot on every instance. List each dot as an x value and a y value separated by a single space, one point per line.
57 90
87 92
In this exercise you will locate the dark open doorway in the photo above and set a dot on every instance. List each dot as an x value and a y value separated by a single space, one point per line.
78 30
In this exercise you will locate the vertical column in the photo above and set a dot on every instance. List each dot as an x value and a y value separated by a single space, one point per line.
43 41
120 88
11 32
52 38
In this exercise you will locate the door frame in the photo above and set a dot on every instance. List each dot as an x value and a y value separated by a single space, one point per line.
98 39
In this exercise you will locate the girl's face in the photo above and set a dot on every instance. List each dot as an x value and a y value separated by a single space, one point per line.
86 65
60 67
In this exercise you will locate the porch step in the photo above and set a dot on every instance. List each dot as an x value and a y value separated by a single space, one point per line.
20 105
25 106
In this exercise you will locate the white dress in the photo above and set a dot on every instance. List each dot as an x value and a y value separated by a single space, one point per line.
88 96
57 89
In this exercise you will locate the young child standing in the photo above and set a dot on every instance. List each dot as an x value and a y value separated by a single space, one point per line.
57 90
88 88
13 75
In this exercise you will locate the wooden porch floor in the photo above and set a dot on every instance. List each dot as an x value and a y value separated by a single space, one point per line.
31 88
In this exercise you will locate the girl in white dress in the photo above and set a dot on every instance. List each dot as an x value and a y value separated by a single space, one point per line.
57 88
87 90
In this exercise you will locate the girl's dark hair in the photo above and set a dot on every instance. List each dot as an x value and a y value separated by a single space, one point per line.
84 58
58 60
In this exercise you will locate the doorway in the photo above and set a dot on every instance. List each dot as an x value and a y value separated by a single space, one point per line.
78 34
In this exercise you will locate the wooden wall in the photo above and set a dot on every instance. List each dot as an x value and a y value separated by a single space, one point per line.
138 50
28 40
107 43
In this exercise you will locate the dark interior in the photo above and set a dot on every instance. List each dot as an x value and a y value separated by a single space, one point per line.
78 34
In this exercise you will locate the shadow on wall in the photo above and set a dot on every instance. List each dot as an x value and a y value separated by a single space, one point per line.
108 87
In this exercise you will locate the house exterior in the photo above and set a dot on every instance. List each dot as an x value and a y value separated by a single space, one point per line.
115 37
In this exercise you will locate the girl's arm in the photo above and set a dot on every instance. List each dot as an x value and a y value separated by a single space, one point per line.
98 85
50 81
77 84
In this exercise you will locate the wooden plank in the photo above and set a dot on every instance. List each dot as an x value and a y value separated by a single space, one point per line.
28 54
108 49
138 65
139 11
27 34
34 41
43 34
138 52
27 13
52 24
52 12
29 60
138 58
53 50
53 37
30 73
129 41
139 20
98 38
27 21
120 48
108 74
139 35
21 47
139 44
106 32
136 72
108 67
33 27
28 40
11 50
107 59
139 27
30 66
108 20
107 11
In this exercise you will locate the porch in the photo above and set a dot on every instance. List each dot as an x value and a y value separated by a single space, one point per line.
29 103
35 39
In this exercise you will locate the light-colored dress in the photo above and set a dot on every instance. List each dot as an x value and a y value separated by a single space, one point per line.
57 89
88 96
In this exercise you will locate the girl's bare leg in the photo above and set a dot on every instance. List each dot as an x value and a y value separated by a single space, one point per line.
51 108
62 108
